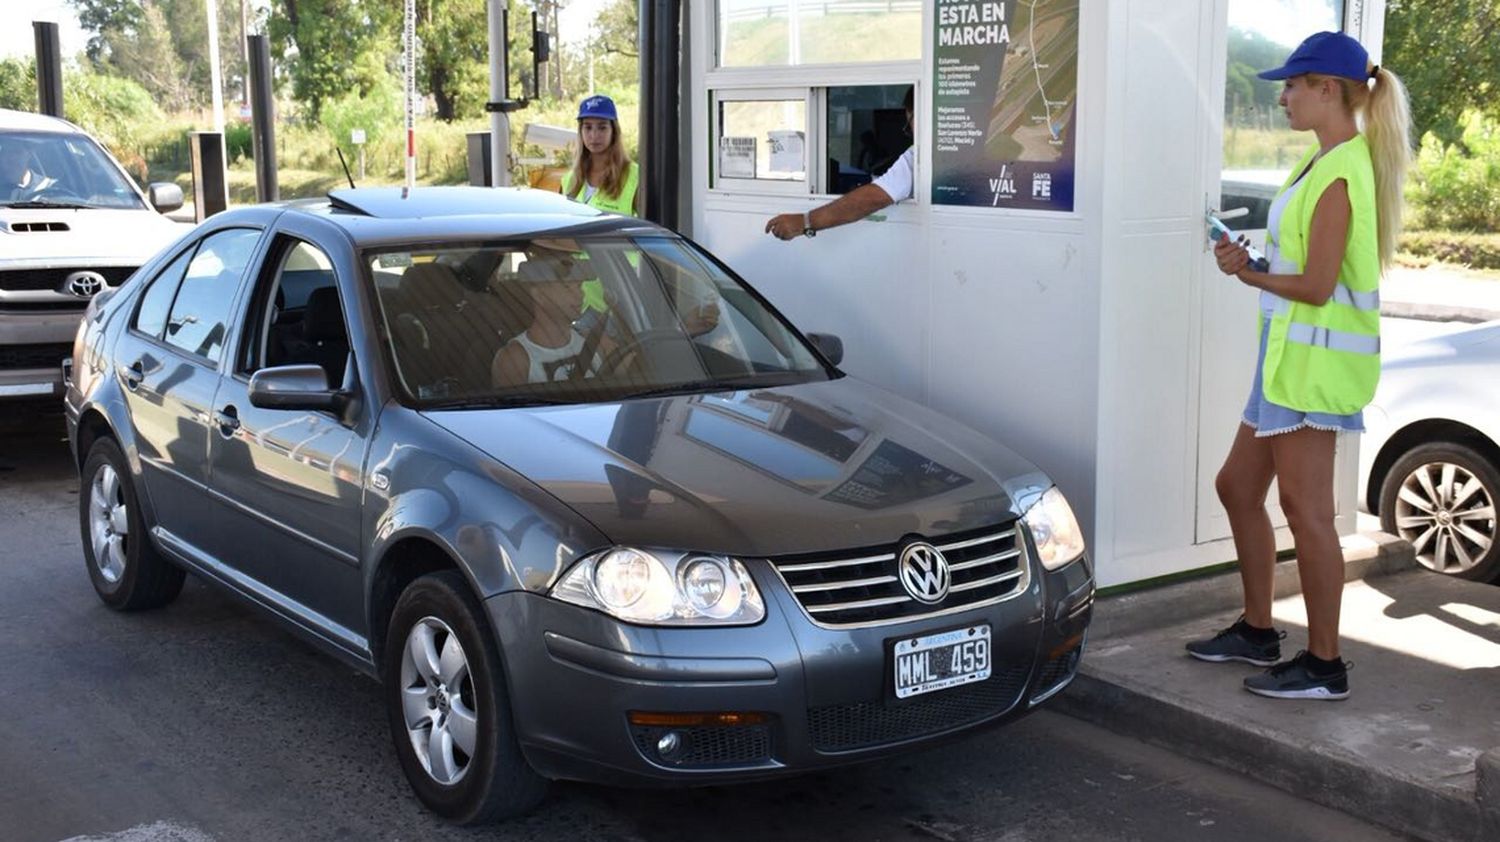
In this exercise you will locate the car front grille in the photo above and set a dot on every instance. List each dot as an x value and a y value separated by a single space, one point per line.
863 587
33 280
1056 673
34 356
870 724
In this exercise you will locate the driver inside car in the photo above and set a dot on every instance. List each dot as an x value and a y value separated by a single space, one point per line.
551 348
17 178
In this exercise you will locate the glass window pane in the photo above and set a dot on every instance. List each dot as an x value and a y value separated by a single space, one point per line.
1259 147
866 131
762 139
761 33
151 319
199 315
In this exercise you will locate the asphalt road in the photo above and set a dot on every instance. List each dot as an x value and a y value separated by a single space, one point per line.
205 722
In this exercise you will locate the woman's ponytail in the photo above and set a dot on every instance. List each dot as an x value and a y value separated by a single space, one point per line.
1387 119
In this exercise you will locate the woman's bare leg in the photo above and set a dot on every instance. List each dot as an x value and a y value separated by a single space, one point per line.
1243 483
1304 462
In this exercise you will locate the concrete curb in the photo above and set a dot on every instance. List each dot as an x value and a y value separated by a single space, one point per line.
1436 312
1321 772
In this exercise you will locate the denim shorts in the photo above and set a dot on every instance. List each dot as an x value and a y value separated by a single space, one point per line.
1269 419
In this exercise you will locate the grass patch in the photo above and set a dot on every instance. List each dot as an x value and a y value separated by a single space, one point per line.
1473 250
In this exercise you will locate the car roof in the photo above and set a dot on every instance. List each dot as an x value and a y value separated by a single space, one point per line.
28 122
376 217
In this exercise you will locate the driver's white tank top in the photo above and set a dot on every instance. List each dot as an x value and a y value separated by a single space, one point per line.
549 364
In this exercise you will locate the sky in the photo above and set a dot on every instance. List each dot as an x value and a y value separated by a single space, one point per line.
1284 21
17 39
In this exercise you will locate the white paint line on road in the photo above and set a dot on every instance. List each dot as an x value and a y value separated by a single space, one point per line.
156 832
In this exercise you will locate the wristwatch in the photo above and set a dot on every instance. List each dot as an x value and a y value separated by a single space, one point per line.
807 229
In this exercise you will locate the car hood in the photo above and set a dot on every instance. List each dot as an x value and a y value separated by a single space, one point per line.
790 469
93 236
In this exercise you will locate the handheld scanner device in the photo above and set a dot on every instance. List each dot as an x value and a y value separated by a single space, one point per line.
1219 232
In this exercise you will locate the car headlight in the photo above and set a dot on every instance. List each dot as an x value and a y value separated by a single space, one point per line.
1054 529
663 588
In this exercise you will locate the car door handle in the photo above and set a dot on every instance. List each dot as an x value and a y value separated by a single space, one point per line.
228 420
132 374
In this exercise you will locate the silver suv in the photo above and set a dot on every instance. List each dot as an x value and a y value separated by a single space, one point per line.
72 225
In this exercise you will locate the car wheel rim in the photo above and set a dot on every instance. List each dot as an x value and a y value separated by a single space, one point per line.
1448 515
109 523
438 701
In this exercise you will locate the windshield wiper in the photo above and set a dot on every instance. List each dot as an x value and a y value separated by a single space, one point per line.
42 203
497 402
716 384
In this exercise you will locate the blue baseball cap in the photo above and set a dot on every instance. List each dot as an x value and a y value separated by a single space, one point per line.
600 107
1328 53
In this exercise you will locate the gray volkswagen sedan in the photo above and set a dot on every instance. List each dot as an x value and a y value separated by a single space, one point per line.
580 499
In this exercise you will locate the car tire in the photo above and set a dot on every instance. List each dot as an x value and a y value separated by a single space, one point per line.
1441 497
449 711
128 572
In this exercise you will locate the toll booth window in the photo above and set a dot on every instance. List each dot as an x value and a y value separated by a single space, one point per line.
866 132
769 33
762 141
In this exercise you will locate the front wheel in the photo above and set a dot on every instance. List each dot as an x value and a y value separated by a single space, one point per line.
1441 497
127 571
448 708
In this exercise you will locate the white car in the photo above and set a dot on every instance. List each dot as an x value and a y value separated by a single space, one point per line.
1429 461
72 225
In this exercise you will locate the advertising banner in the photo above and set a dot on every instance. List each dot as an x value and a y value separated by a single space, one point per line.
1005 97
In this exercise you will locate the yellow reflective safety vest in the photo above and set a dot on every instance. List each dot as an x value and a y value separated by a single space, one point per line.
593 291
623 203
1327 358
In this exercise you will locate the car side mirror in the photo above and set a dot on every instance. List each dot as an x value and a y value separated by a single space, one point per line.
165 196
295 387
828 345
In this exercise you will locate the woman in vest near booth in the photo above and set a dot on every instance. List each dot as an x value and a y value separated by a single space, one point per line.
603 175
1332 229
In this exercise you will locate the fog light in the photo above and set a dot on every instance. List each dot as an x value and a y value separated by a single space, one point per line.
669 743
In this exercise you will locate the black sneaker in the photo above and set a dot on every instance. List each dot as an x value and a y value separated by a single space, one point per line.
1240 642
1296 679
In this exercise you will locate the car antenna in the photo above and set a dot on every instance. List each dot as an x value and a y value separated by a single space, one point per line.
345 165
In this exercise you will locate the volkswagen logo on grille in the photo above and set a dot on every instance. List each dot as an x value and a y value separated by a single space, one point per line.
924 572
84 284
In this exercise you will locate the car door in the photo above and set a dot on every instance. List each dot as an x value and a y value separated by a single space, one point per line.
168 363
287 482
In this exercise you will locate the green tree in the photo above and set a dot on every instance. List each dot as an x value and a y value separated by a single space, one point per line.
1448 53
455 55
332 47
18 84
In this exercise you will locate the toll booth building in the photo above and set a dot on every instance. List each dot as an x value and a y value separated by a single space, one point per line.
1050 281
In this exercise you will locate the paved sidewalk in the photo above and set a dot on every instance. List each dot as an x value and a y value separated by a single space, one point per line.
1417 745
1439 293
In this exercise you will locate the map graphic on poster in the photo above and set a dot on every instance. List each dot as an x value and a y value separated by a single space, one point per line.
1005 96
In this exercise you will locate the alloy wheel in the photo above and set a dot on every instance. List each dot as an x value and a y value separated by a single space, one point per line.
109 523
1448 515
437 701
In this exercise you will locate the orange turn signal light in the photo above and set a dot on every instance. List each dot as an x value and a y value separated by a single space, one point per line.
694 720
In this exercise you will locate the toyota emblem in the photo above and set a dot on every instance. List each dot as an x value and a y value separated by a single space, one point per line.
84 284
924 572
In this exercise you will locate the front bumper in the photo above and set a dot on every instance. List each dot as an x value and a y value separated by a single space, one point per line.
820 697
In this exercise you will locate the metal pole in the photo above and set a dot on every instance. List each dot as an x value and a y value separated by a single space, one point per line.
410 40
263 120
244 52
215 75
499 91
660 73
49 91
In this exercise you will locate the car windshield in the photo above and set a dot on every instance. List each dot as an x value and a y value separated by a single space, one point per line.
577 320
53 169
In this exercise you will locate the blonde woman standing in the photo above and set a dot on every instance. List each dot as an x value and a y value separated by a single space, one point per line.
1332 230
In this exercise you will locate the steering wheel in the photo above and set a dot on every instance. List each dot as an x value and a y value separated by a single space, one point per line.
641 343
